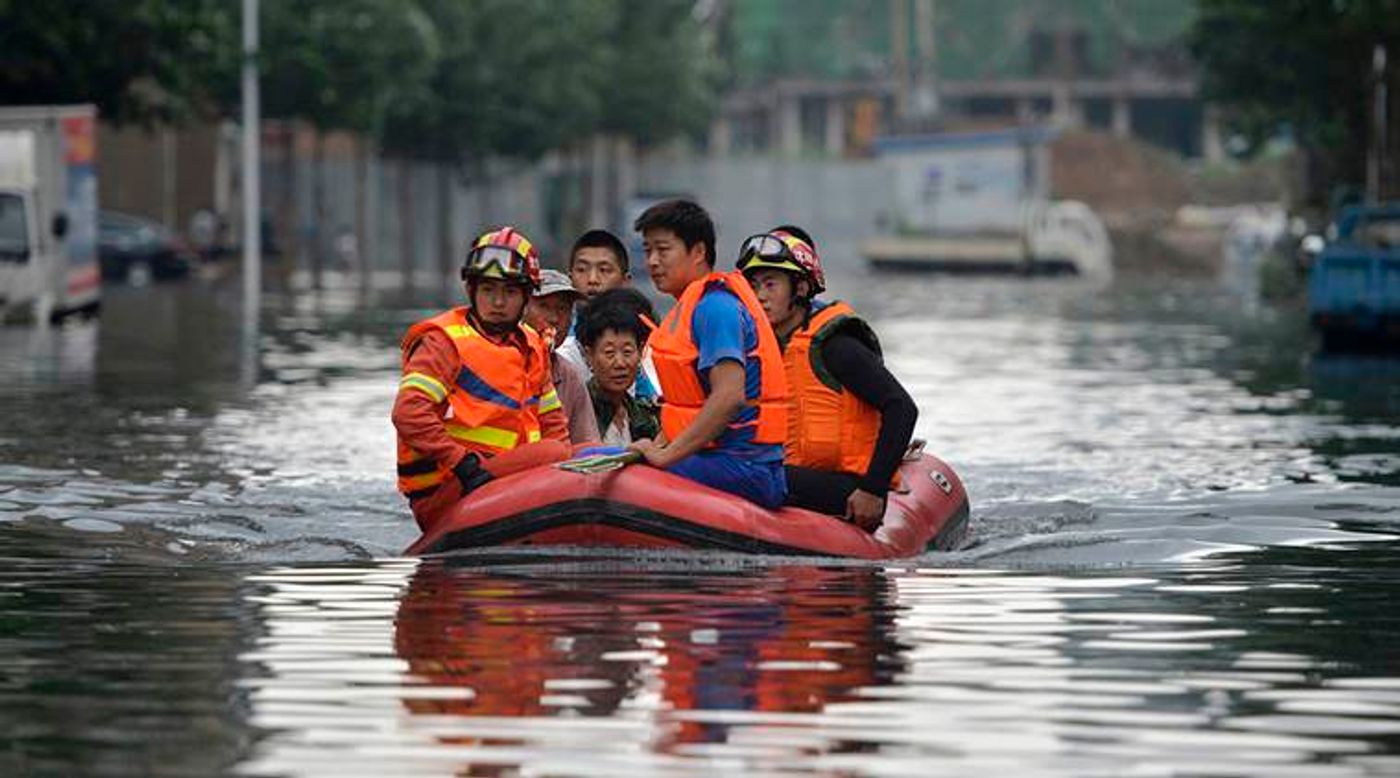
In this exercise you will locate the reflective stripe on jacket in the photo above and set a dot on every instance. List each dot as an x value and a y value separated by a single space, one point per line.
493 404
675 354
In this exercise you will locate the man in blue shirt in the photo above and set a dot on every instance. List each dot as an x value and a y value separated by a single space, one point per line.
724 406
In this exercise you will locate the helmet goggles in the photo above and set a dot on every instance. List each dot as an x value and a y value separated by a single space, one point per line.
780 251
503 254
496 262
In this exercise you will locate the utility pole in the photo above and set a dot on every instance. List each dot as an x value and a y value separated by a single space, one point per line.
899 53
925 96
252 134
1375 157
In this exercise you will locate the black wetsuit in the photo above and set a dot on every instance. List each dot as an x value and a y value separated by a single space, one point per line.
861 372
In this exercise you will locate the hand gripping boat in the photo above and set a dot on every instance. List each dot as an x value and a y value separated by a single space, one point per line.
642 507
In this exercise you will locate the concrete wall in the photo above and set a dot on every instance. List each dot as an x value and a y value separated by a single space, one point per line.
841 202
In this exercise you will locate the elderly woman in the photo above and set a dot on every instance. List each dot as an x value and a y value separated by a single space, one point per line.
613 333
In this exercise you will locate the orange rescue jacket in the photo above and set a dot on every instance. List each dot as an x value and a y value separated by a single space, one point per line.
674 355
493 403
829 428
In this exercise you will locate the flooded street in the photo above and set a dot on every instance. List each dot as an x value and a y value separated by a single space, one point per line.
1182 557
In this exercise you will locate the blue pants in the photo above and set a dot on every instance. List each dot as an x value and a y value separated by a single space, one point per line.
763 483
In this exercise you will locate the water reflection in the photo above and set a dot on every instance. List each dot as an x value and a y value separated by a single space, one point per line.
514 663
175 345
781 639
117 671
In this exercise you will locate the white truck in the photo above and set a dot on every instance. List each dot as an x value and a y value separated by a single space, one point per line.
48 212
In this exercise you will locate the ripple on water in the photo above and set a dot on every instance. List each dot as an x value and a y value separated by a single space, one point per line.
430 667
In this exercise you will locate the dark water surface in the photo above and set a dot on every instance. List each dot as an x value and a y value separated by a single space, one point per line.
1182 562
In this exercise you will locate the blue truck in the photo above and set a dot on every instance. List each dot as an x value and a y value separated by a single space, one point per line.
1354 282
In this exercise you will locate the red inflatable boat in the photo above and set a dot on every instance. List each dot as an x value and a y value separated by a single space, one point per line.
642 507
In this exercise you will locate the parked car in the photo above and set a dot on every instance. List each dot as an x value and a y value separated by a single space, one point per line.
135 249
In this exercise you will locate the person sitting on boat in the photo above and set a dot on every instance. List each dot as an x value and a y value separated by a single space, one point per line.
598 263
550 311
613 333
849 419
476 400
724 392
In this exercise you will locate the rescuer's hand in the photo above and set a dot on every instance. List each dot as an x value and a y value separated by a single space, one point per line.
470 473
865 510
655 455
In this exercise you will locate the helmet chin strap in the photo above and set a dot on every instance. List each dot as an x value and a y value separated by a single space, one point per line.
799 301
494 329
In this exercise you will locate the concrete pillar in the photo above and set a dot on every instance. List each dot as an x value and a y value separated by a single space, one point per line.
1212 147
1065 111
721 137
835 126
168 162
625 164
1122 118
597 181
225 146
789 127
1025 110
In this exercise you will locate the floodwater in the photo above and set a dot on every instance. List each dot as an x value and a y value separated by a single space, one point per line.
1182 561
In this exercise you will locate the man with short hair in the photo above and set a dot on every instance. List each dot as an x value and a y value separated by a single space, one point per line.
598 263
550 311
724 407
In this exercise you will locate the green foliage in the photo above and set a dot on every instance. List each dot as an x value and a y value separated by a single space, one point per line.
338 63
139 60
1279 276
973 38
1301 63
519 77
662 71
514 78
458 80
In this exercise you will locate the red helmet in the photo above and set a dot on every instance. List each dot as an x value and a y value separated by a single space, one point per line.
782 250
504 254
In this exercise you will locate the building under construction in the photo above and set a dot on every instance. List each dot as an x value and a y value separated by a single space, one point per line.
826 78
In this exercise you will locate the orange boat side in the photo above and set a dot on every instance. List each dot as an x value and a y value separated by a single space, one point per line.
642 507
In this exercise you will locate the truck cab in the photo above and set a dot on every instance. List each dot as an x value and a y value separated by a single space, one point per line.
19 234
1354 283
48 212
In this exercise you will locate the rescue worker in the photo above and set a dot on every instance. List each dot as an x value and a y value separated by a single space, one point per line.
476 400
849 419
550 310
724 393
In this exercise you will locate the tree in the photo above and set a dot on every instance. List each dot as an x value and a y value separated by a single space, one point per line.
337 65
143 61
663 71
516 78
1302 64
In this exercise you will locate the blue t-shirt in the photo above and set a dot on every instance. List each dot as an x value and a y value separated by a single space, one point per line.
723 329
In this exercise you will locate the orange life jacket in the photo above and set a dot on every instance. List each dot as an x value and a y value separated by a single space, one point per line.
674 355
829 428
493 405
